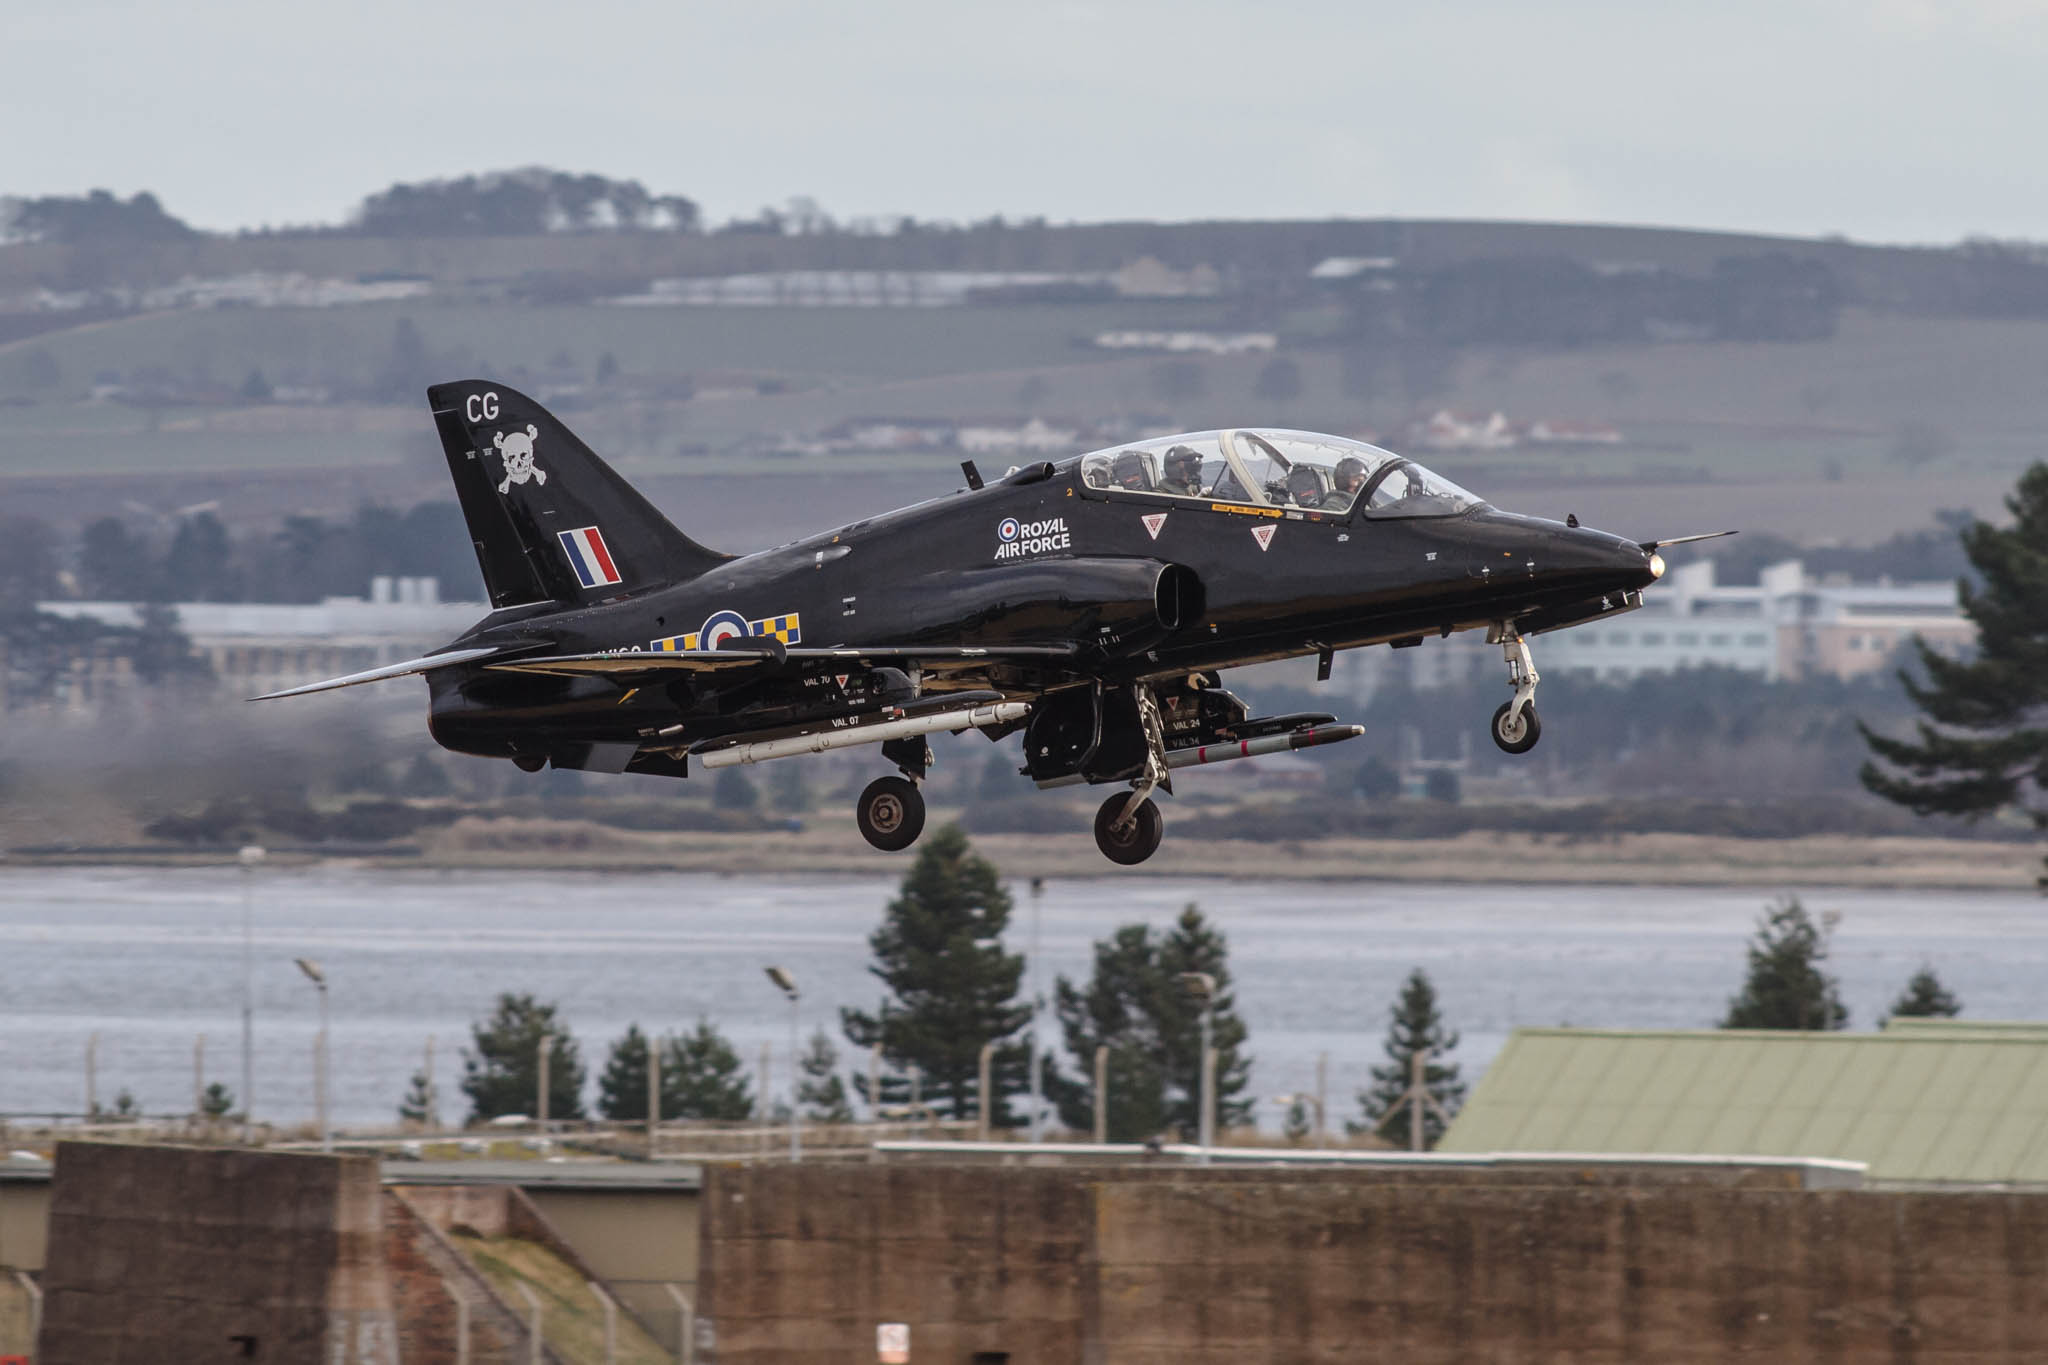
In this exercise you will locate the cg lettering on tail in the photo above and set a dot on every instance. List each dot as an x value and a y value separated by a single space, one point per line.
1022 539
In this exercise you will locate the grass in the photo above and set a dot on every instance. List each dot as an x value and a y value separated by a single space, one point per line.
572 1323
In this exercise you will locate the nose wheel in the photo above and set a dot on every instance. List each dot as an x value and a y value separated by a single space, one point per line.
1515 728
890 813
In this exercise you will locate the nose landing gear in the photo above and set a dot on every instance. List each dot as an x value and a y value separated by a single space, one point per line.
1129 828
1515 726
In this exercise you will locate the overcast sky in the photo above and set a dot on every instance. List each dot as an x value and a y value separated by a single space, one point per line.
1888 120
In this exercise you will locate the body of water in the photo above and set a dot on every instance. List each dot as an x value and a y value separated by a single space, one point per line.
149 958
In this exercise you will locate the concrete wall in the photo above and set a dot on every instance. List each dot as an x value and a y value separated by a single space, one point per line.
168 1253
800 1264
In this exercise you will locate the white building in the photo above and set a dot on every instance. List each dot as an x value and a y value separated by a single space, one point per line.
259 647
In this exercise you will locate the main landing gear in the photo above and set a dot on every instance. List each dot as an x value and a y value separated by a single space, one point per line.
1515 726
890 811
1129 828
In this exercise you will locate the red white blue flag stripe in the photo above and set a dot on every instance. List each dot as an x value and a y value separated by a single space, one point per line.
588 556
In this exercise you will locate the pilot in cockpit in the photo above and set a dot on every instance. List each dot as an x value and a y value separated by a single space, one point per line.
1132 472
1348 479
1183 473
1305 486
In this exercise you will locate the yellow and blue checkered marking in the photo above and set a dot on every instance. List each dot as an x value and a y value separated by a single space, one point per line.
786 628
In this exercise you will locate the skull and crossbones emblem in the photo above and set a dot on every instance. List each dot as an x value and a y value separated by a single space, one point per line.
518 452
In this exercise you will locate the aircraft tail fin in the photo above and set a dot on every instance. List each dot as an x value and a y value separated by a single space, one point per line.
549 519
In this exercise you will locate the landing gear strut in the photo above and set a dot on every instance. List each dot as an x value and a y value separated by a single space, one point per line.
1128 829
1515 727
890 811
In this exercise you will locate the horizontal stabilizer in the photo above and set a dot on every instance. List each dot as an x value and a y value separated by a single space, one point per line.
426 664
714 660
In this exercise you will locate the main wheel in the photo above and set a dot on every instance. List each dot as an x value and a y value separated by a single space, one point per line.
1516 732
1134 842
890 813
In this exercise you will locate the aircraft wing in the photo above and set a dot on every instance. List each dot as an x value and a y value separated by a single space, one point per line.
647 663
425 664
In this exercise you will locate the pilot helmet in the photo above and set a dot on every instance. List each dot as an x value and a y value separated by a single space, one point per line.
1350 473
1129 470
1303 483
1184 465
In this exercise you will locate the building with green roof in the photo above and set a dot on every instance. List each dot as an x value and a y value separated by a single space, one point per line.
1923 1101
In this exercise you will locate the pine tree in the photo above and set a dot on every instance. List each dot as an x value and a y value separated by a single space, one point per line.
1786 988
702 1078
821 1092
1138 1007
1981 747
622 1086
952 988
1413 1025
1926 998
501 1075
217 1103
419 1102
1297 1127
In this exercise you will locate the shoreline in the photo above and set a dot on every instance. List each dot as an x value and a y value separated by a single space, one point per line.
1480 858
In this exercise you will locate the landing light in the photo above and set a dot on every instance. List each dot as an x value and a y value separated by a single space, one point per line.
1656 566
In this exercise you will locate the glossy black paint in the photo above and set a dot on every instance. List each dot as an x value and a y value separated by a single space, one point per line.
1209 587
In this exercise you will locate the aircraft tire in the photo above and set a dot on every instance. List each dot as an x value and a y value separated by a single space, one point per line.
890 813
1135 843
1515 734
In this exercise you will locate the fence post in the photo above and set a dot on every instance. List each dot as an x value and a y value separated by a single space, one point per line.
532 1322
653 1093
35 1310
1101 1095
686 1326
988 1052
611 1323
541 1100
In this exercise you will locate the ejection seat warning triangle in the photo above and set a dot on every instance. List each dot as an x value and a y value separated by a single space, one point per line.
1263 535
1153 521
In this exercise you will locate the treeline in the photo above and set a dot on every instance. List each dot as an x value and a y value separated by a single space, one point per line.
951 988
198 559
94 219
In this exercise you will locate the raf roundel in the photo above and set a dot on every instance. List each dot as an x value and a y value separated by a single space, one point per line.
722 626
1008 530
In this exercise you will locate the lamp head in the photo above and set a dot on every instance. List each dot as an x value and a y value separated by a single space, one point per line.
312 970
784 982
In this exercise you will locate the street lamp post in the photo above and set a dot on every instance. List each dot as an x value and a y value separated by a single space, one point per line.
249 857
786 983
319 978
1202 987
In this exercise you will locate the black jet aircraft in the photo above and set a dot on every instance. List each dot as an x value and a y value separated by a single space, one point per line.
1088 603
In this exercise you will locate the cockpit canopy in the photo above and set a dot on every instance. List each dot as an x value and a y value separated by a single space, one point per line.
1270 467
